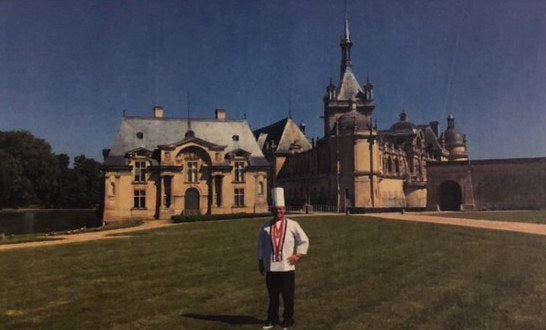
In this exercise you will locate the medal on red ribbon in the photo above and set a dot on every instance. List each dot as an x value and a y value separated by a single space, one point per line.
277 238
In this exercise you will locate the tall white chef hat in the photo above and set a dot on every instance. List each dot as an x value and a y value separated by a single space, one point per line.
277 197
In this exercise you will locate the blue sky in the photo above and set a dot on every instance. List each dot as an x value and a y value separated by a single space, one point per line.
69 68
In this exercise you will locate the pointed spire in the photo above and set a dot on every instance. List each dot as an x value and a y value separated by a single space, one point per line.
347 35
345 45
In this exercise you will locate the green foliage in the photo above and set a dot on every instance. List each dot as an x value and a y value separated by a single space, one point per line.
37 162
31 174
16 188
81 186
194 218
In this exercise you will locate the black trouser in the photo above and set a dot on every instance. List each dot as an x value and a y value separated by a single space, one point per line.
280 283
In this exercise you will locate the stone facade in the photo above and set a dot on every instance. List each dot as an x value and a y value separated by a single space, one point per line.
159 167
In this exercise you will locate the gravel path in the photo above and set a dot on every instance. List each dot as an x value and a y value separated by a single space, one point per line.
90 236
520 227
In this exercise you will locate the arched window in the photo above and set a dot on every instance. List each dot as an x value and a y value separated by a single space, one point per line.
260 188
112 189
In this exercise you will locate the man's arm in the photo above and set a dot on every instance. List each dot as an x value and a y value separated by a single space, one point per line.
302 245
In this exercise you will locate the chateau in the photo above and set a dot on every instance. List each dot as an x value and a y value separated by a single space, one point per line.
355 165
159 167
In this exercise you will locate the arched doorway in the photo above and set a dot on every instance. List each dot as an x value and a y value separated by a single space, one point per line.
450 196
191 202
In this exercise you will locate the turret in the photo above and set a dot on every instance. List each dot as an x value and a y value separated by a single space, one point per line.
455 141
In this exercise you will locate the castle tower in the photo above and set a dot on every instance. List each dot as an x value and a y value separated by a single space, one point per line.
352 139
337 101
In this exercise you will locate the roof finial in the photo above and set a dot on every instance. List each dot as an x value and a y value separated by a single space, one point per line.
290 108
347 35
345 46
188 110
189 132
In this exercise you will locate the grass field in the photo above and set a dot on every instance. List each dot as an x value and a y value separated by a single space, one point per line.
538 216
361 273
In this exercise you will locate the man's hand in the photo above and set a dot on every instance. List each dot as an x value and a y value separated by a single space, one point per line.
261 267
293 259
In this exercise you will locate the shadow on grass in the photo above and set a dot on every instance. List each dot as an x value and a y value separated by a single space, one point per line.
229 319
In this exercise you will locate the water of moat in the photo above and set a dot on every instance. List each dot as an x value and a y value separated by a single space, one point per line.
46 221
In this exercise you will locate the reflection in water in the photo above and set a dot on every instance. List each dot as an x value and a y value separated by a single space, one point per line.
45 221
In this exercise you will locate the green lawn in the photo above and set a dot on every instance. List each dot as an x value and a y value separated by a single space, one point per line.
16 239
361 273
538 216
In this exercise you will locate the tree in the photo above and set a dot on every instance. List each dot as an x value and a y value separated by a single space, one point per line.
31 174
38 164
16 188
88 175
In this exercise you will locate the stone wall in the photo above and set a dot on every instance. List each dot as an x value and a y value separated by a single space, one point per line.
509 183
494 184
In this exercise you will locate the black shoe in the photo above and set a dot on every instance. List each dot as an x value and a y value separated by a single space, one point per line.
269 324
287 324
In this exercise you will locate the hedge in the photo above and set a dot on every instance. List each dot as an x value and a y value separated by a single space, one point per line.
194 218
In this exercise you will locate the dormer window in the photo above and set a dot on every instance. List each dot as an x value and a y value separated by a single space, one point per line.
140 135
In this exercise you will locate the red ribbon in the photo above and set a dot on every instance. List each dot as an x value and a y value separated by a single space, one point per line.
278 239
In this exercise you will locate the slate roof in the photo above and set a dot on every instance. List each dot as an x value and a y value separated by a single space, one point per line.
162 131
349 86
283 133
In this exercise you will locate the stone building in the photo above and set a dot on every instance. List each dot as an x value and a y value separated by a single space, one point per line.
158 167
355 165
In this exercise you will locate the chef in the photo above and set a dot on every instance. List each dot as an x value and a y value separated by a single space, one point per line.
281 244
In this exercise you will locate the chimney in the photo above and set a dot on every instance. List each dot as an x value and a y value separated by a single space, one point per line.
220 114
158 111
105 153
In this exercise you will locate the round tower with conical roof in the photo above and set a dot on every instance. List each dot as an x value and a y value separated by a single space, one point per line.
455 141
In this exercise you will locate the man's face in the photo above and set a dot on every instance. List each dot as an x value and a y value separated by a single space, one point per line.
278 212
